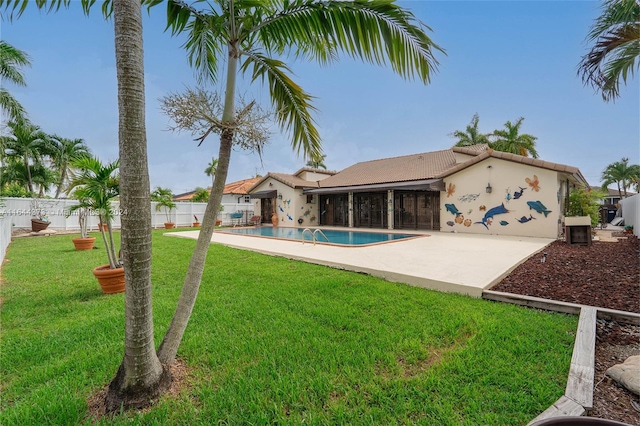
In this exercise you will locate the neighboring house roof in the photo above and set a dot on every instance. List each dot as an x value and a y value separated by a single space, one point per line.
428 166
614 192
240 187
293 180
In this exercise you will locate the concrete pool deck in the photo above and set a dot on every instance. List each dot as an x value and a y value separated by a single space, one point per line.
448 262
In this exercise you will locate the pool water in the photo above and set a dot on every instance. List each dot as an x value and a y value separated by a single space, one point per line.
347 238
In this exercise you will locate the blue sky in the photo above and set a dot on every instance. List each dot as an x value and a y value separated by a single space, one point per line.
504 60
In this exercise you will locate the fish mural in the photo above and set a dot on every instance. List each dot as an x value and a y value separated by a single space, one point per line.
518 194
503 223
507 195
459 218
525 219
288 202
281 209
501 209
533 183
450 190
312 218
468 198
450 223
307 212
451 208
289 216
467 222
538 207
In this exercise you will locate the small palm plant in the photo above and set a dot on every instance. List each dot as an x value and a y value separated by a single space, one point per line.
164 199
94 187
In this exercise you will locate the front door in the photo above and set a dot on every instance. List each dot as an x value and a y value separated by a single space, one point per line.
266 209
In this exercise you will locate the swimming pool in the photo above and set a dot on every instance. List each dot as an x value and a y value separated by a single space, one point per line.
345 238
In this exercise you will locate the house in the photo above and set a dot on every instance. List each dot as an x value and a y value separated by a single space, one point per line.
233 193
613 196
283 194
468 190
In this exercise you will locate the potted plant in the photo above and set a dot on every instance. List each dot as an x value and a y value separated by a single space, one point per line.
164 199
40 220
85 242
196 223
584 207
219 221
95 186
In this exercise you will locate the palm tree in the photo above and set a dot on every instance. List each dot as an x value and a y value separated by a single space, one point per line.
141 376
200 195
621 173
94 187
317 163
11 59
27 142
471 135
511 140
164 199
250 38
616 49
66 151
211 168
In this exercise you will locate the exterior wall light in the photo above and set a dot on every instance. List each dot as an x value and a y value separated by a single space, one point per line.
489 188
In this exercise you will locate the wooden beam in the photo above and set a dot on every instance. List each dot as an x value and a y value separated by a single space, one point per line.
581 373
561 408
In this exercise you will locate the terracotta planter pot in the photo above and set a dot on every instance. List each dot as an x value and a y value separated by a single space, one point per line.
218 222
111 280
169 225
38 225
274 219
84 243
104 226
196 224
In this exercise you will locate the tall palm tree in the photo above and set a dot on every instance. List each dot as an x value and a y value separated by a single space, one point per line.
27 142
251 38
65 152
211 168
141 377
318 163
471 135
615 54
621 173
11 60
511 140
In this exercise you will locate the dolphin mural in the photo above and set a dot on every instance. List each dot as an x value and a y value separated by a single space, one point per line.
451 208
501 209
538 207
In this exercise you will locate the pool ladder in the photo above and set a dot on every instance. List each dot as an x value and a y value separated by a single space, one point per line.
314 236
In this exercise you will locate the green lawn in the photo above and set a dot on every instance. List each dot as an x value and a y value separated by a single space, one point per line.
275 341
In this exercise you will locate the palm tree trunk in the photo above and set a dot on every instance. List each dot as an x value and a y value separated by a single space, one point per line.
63 177
25 160
169 346
106 244
140 377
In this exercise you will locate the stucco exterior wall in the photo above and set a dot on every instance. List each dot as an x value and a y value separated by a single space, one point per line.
313 176
292 206
514 206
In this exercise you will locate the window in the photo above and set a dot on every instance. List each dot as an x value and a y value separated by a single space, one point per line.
310 199
247 199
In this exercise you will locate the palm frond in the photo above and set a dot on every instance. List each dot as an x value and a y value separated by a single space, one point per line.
377 32
292 104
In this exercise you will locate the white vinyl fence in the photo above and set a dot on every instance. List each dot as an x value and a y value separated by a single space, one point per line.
5 236
631 212
19 211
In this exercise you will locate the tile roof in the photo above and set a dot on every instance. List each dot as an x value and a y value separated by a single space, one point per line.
397 169
240 187
430 165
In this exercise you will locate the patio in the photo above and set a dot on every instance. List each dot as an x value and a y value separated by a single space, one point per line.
447 262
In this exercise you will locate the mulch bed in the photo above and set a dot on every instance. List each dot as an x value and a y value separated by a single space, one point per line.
604 274
614 343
